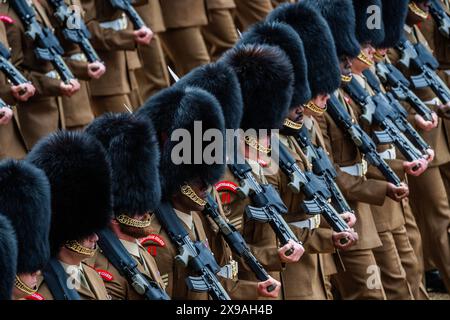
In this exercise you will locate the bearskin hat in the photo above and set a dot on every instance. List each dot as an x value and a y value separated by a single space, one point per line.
283 36
8 258
80 179
266 77
394 19
323 64
133 153
25 201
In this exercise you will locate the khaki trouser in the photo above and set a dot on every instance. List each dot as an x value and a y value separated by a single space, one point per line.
431 207
153 76
220 34
38 117
11 143
251 12
185 48
361 279
393 275
115 104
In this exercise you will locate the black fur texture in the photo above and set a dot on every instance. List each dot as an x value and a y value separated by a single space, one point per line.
25 201
283 36
221 81
364 34
323 64
8 258
340 16
394 18
133 152
266 77
179 107
80 178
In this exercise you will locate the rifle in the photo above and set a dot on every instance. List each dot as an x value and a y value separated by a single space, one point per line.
323 167
118 256
127 7
440 16
48 47
361 139
13 75
381 116
399 85
419 57
79 33
56 279
397 114
193 254
314 188
268 206
235 240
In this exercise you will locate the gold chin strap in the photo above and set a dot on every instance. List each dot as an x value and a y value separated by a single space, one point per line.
346 79
315 108
23 287
252 142
127 221
292 125
75 246
364 59
378 56
417 11
188 192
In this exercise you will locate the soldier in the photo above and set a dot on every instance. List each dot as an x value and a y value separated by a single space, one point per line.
77 109
153 76
11 140
183 41
431 209
306 278
8 258
265 106
220 33
42 114
439 44
134 156
250 12
115 40
79 175
185 186
25 201
221 81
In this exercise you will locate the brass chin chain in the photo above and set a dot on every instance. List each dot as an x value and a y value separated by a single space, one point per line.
364 59
378 56
417 11
23 287
78 248
188 192
127 221
253 143
292 125
315 108
346 79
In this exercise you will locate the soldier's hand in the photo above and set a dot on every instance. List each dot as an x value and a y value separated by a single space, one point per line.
143 36
297 252
263 288
426 125
397 193
430 155
416 167
443 111
6 115
71 88
96 69
349 218
344 240
23 92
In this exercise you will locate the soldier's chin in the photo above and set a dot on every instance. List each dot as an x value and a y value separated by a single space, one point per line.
135 232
